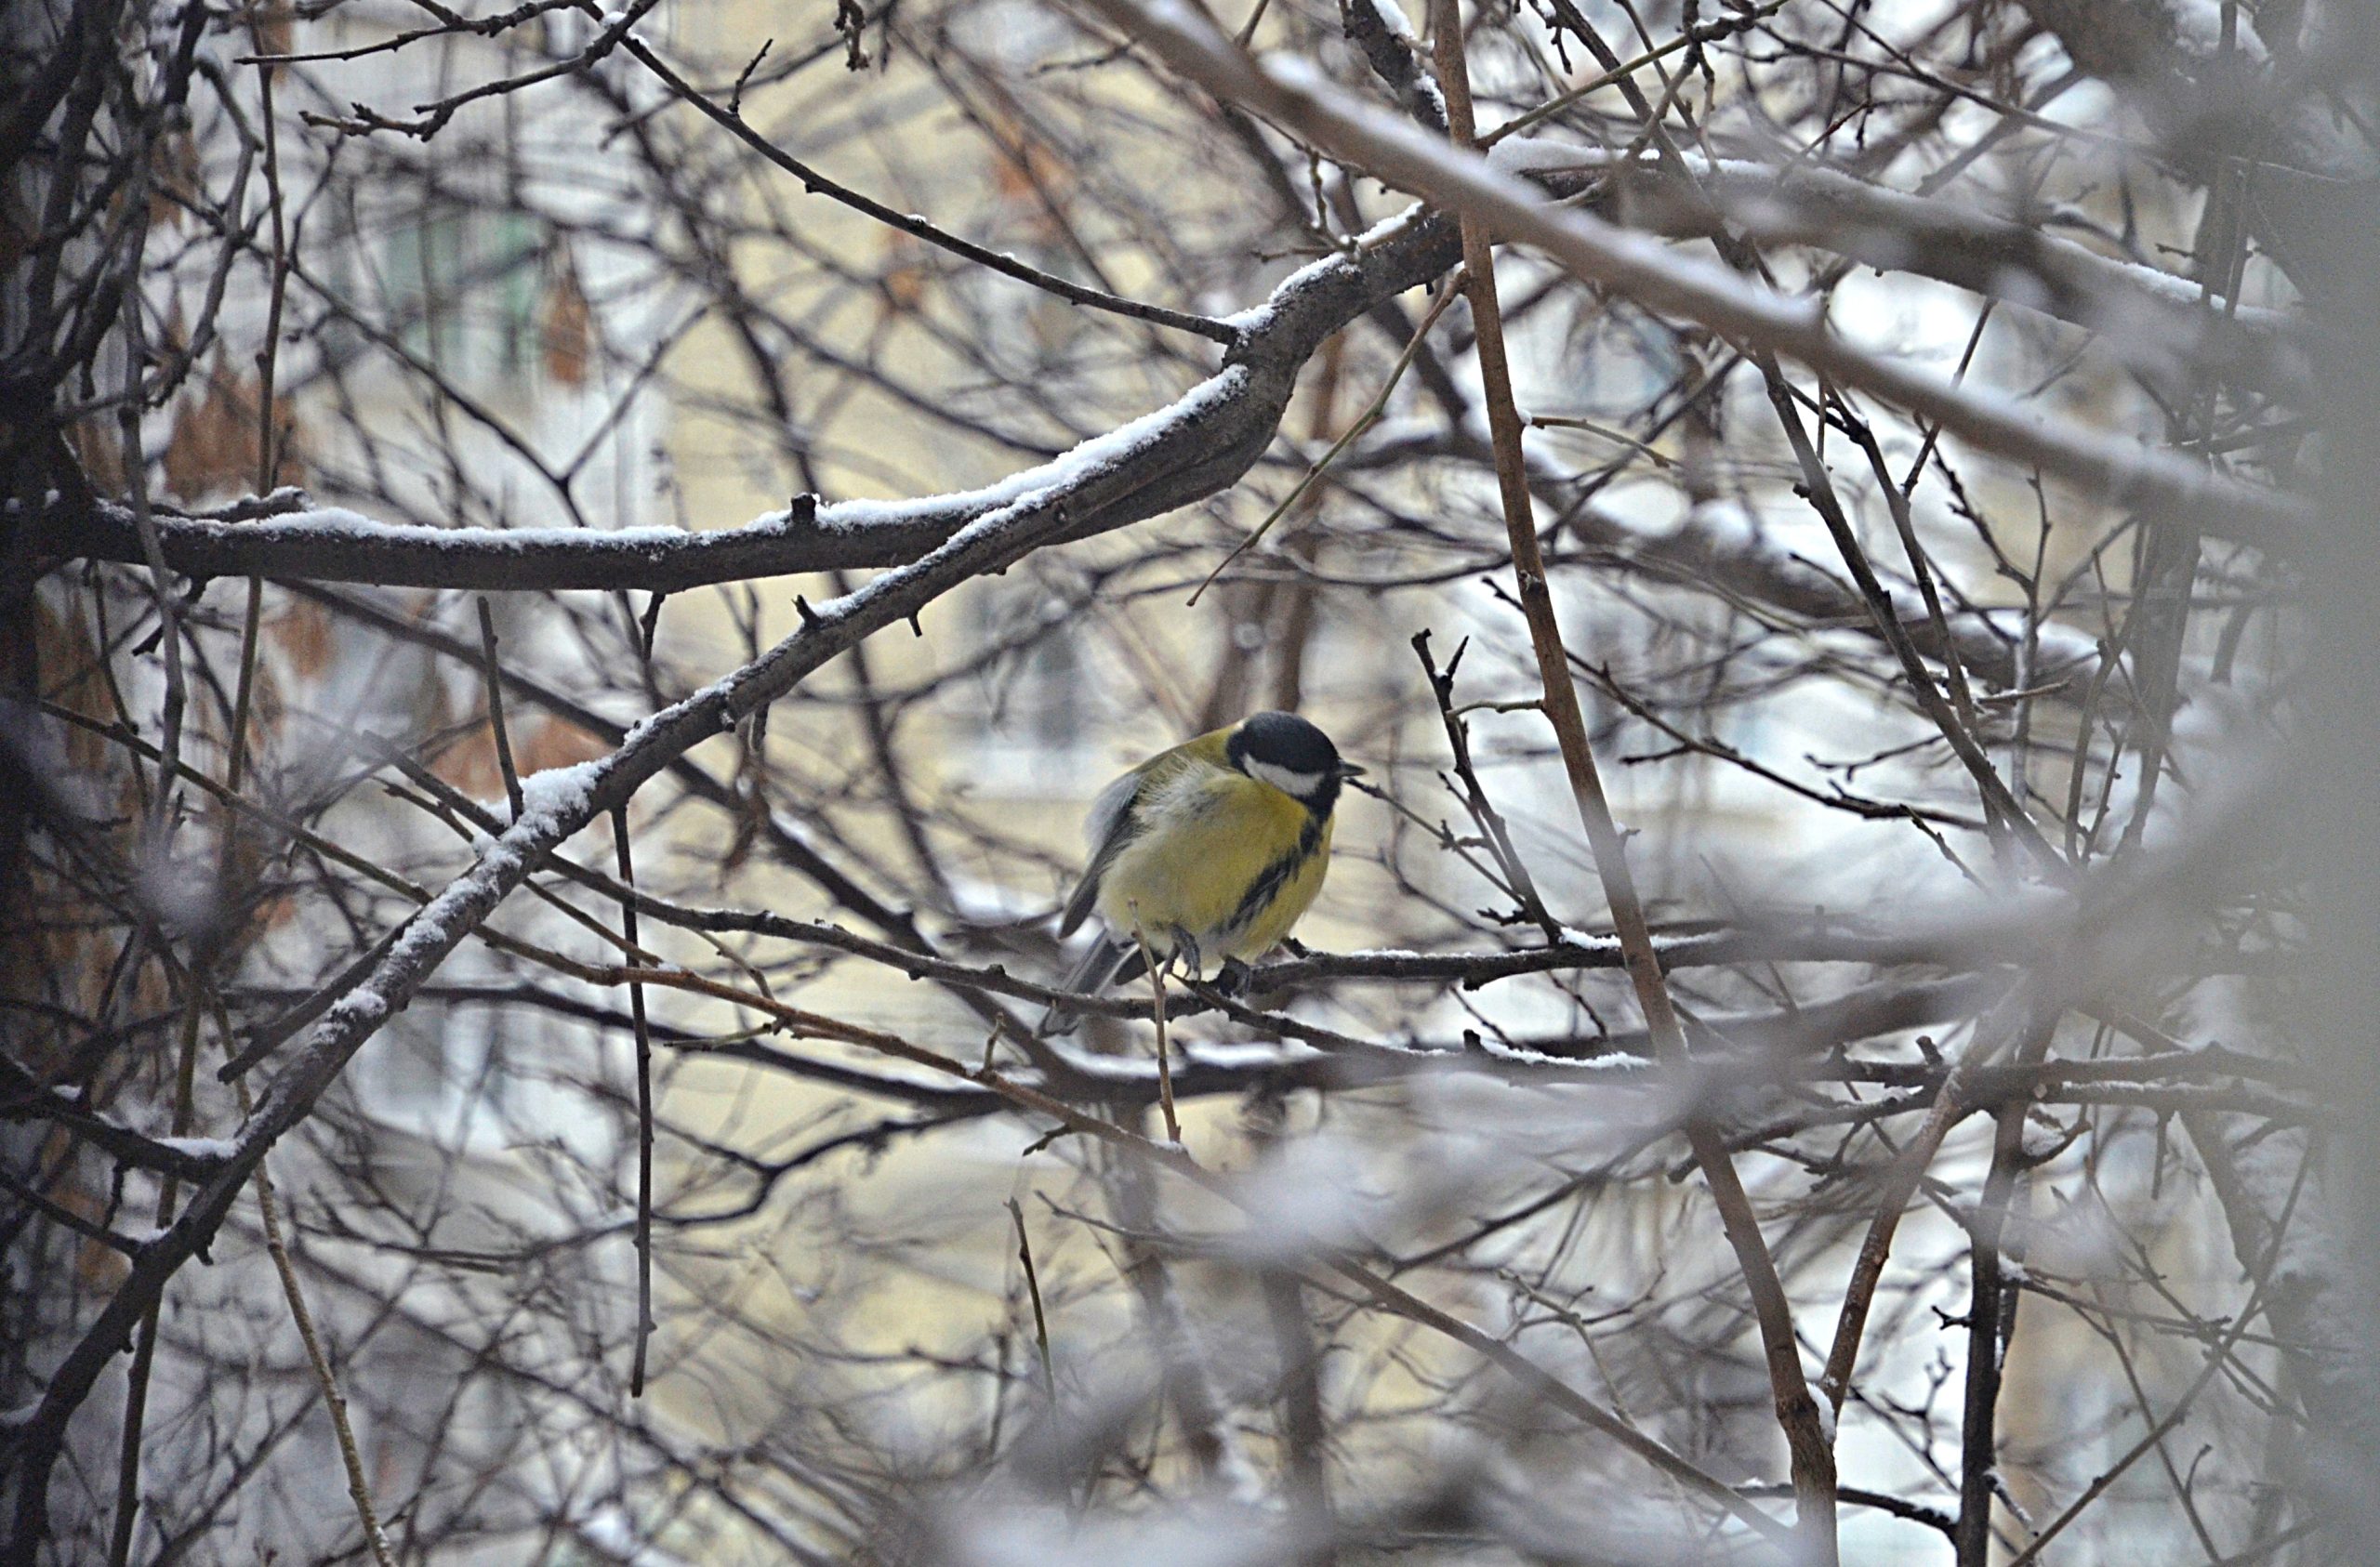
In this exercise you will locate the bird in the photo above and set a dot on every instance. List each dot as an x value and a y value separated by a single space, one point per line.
1214 849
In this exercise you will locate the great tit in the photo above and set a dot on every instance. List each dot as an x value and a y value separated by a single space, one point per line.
1210 850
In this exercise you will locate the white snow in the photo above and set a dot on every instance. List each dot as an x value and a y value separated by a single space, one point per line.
1392 16
1528 154
559 792
1618 1061
215 1149
363 1004
1258 318
1067 470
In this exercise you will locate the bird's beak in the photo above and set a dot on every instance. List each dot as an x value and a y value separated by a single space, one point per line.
1349 769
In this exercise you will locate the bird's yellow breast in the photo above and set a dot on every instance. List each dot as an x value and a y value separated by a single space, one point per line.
1228 859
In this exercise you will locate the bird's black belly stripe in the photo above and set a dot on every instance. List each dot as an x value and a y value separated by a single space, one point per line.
1273 877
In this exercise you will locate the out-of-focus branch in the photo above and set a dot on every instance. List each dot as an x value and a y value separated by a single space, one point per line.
2155 320
2120 471
1379 28
2319 1302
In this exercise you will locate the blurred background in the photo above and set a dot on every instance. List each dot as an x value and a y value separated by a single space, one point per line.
2002 834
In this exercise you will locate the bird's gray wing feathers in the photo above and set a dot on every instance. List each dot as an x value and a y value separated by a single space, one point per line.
1107 829
1107 811
1109 962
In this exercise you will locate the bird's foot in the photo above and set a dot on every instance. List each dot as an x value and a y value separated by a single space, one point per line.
1188 961
1234 978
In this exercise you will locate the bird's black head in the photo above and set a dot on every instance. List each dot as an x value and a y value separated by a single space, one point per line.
1292 755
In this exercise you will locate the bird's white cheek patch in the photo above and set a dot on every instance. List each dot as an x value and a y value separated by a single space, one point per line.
1298 785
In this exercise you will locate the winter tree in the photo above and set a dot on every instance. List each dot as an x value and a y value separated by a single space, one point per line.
571 573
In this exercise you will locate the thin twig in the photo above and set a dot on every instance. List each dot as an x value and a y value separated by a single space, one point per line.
2216 1358
1364 421
908 223
1951 1103
1989 1319
2000 802
144 1352
1725 27
1033 1289
359 1489
494 674
1157 1011
644 1108
1483 812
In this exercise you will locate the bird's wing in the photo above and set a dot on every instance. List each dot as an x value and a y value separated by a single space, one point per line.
1109 962
1107 811
1107 829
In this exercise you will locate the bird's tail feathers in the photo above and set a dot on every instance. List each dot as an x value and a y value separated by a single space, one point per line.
1109 962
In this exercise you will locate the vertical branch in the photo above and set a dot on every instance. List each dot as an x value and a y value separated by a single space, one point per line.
33 1500
173 704
1484 814
492 673
644 1107
877 722
1990 1320
1294 612
268 428
1304 1433
1291 607
1033 1289
1900 1184
144 1351
2169 555
359 1489
154 848
1198 1407
1282 608
1797 1411
1157 1013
